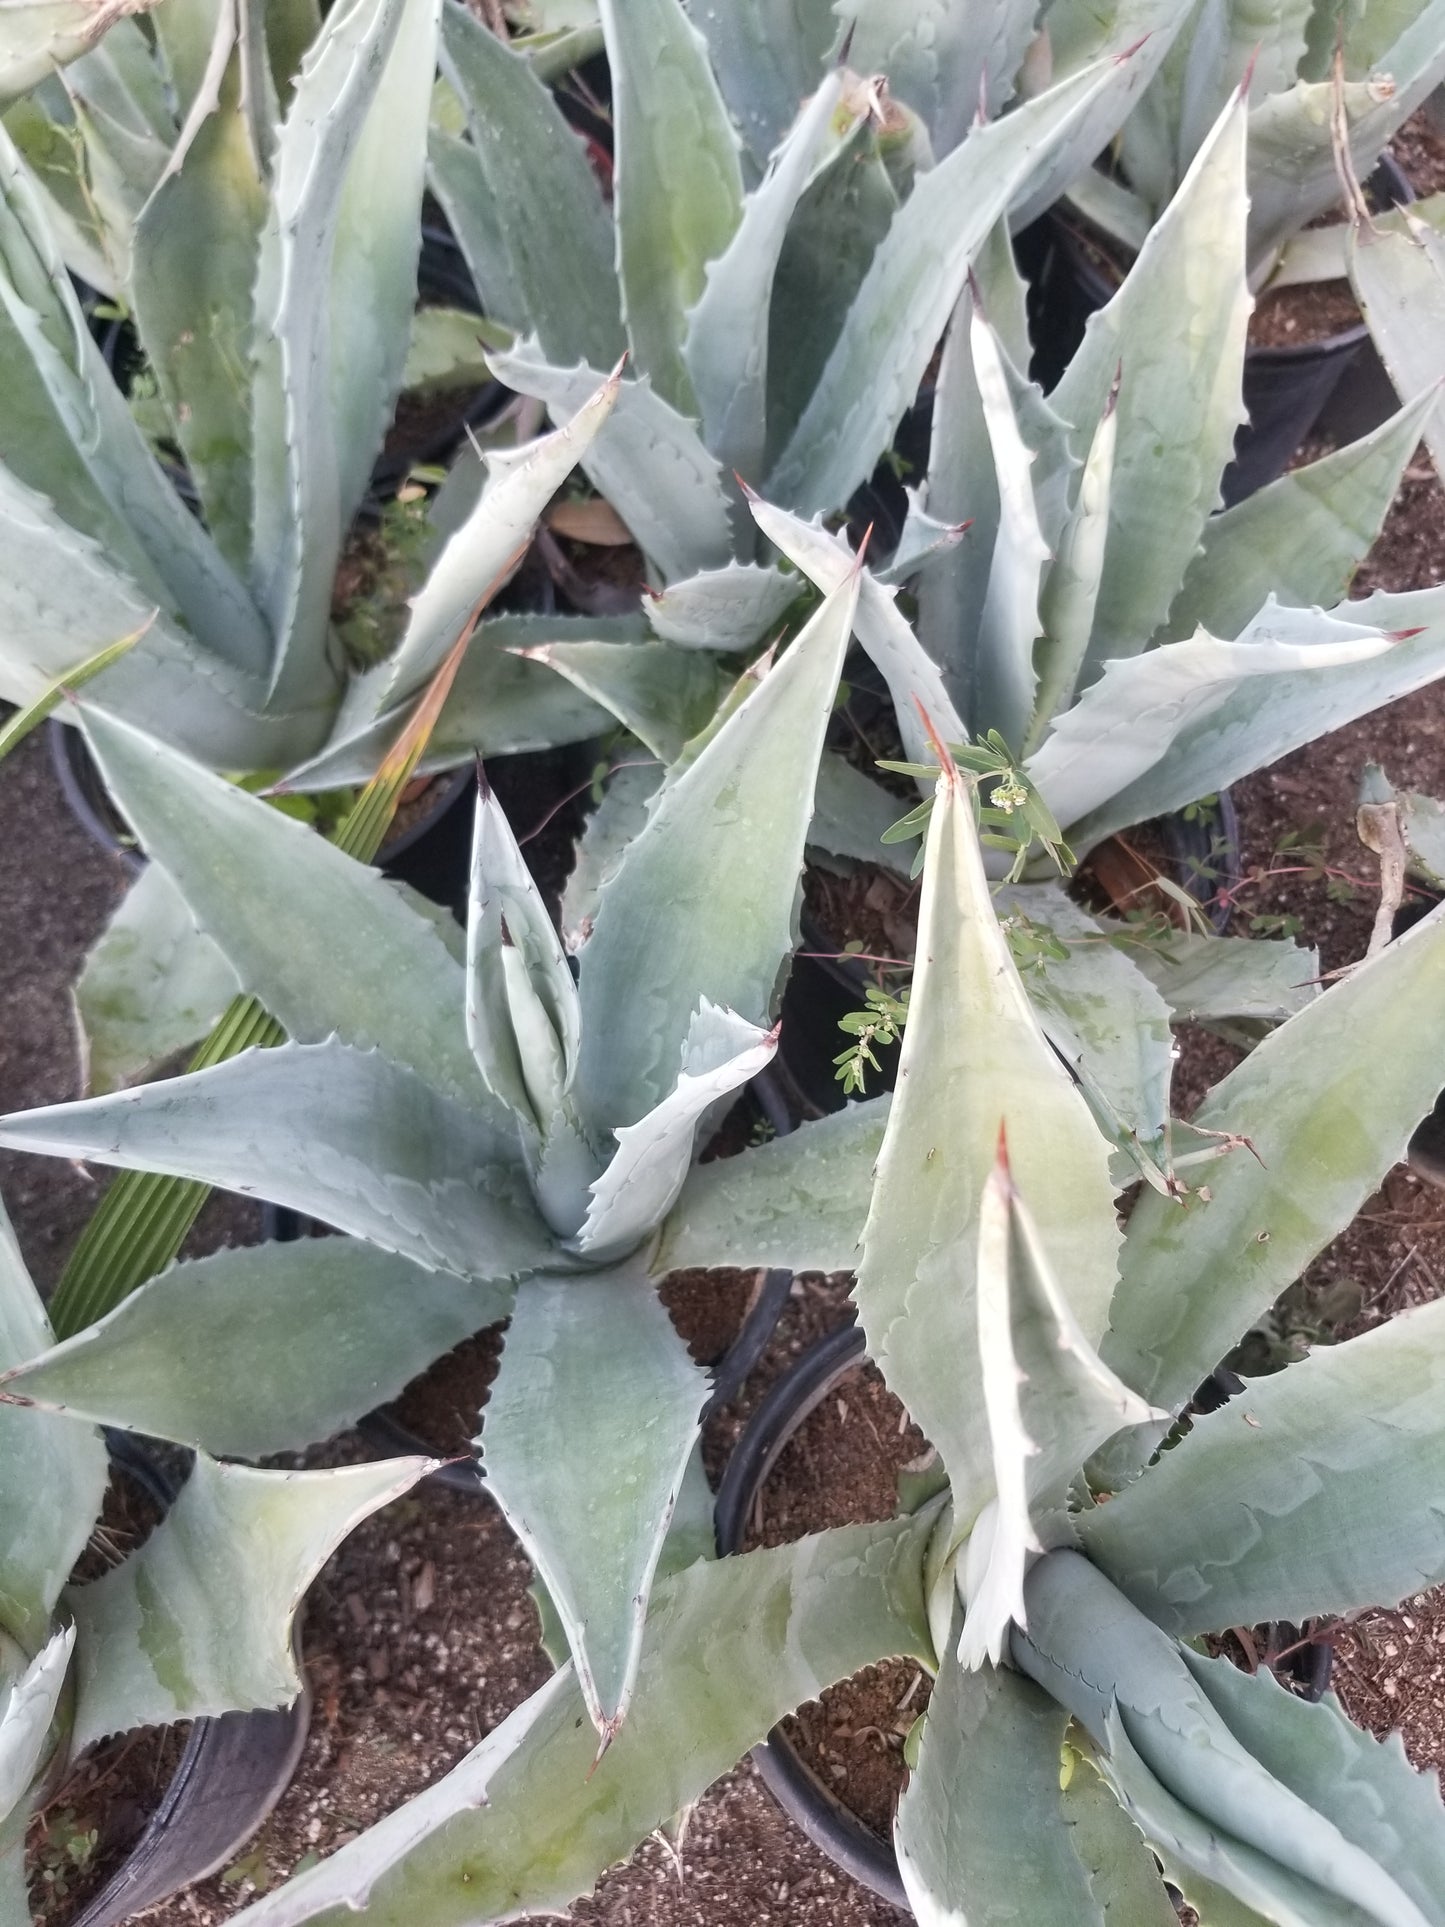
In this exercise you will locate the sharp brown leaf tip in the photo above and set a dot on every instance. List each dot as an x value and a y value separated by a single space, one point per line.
962 528
1404 635
862 548
1246 79
847 47
750 492
484 788
1129 52
947 768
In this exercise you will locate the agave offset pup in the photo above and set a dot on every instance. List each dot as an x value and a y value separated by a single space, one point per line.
194 1622
1078 1739
509 1140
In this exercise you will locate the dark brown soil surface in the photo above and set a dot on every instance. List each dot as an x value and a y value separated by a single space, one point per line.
1420 150
1291 317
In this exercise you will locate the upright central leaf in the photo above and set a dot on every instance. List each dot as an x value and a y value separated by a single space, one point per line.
679 186
703 903
974 1059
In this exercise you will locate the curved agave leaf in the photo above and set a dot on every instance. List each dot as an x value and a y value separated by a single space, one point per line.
320 939
725 349
151 985
1302 537
650 464
1168 351
40 35
908 293
1188 718
530 180
914 680
974 1061
630 788
26 1713
1202 978
1122 1678
1069 600
198 1620
587 1432
986 1830
341 1135
197 1355
523 1826
677 182
664 695
704 900
1325 1127
1397 269
1316 1491
851 814
64 1461
653 1157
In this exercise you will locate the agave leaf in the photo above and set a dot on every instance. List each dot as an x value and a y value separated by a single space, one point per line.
650 464
531 171
766 58
677 181
151 985
339 1134
726 609
1302 1522
923 538
334 941
499 703
630 788
731 1645
999 679
1133 36
662 694
725 349
587 1488
1100 1012
69 434
199 1619
186 33
1325 1127
480 555
523 1016
1292 170
26 1713
797 1201
653 1156
41 35
192 1355
1368 1788
710 884
455 176
1235 1885
334 298
1069 599
913 679
1422 824
1049 1403
841 217
1189 718
44 130
984 1827
62 597
1202 978
945 60
974 1061
40 1454
1119 1675
194 261
851 813
1301 537
1177 410
117 98
908 293
1397 269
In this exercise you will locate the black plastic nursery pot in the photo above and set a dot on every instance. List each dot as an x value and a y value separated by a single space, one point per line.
802 1795
231 1773
383 1429
825 987
1285 388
